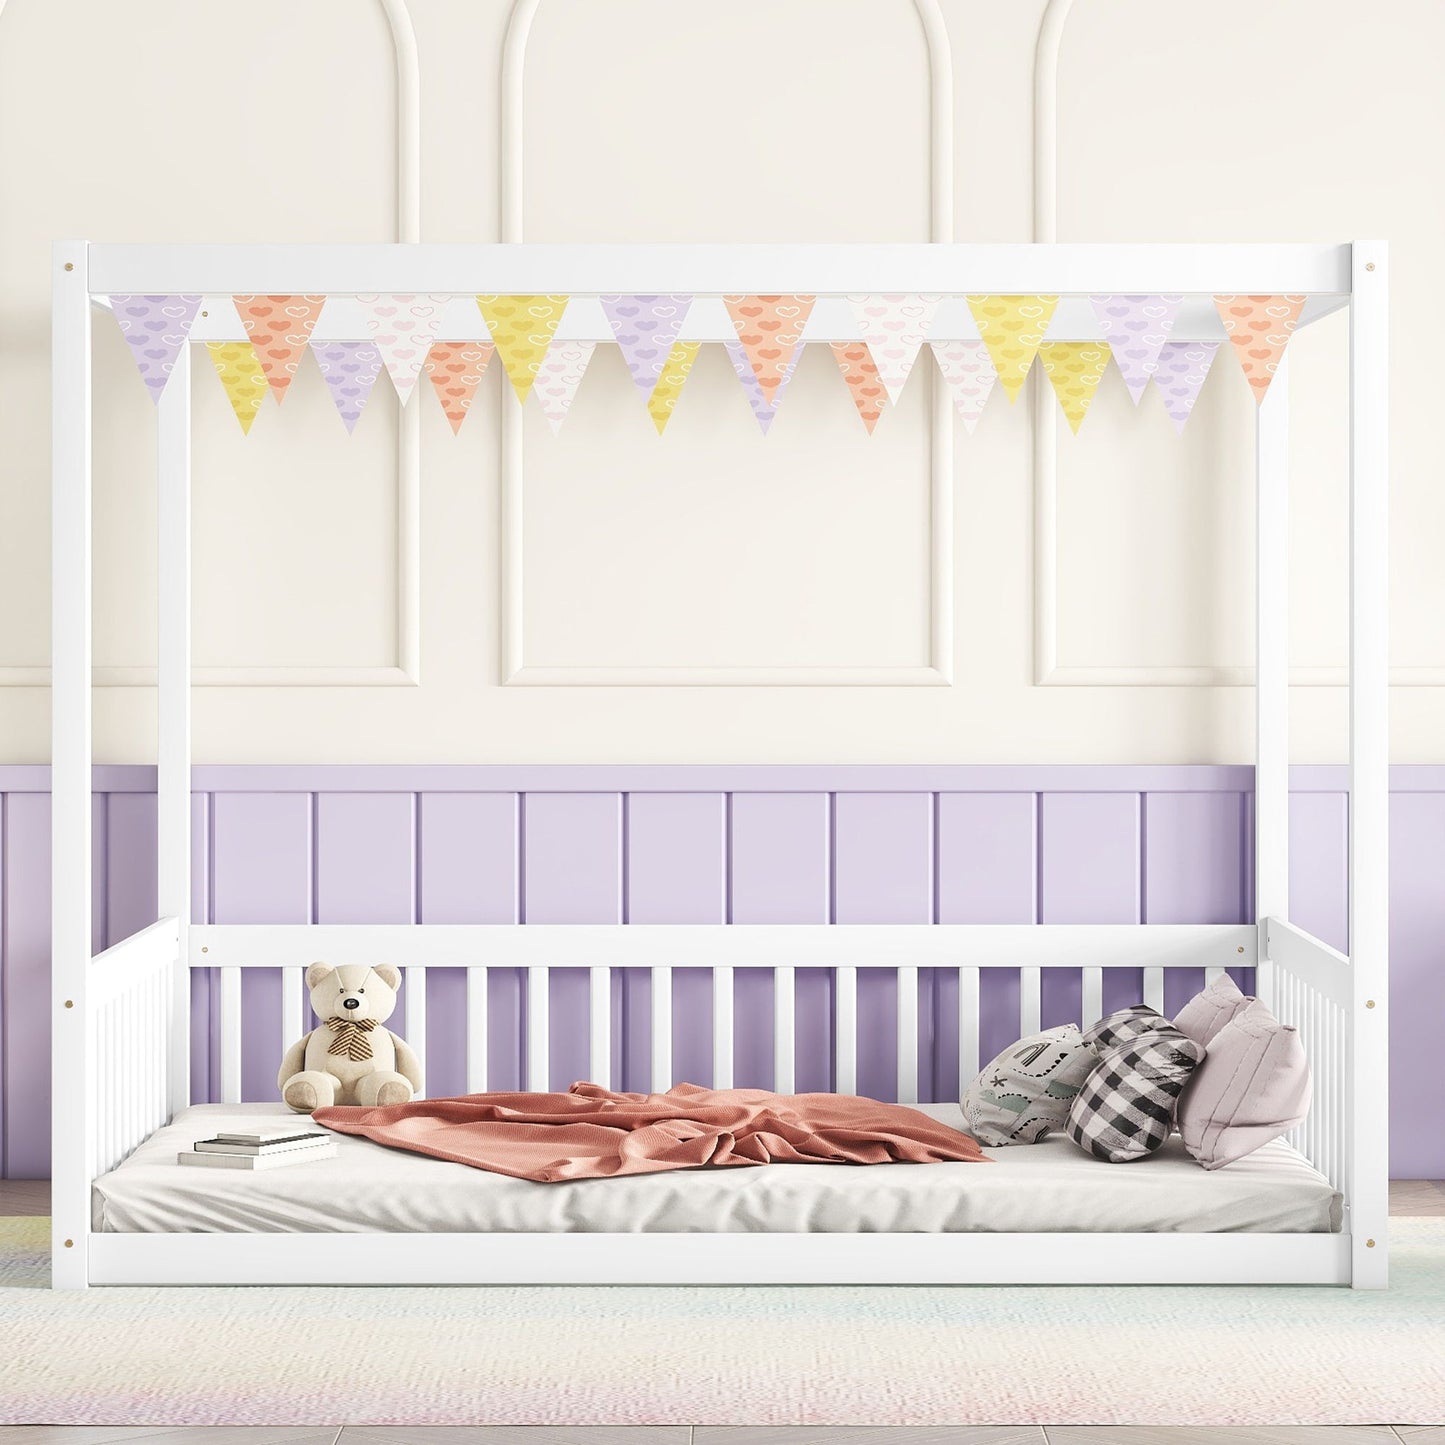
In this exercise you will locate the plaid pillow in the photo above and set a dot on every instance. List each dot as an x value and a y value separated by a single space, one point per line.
1128 1023
1125 1109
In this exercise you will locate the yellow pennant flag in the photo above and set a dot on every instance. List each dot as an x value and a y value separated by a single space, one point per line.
1012 328
241 376
1075 368
670 383
522 328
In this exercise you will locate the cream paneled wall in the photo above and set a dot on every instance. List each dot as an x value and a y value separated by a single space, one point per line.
714 549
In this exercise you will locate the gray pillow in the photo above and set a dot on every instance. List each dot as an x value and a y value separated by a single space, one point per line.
1027 1091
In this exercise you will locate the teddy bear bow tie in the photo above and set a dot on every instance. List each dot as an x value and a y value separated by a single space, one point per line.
351 1041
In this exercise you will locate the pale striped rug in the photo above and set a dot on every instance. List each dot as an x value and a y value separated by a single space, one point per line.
914 1356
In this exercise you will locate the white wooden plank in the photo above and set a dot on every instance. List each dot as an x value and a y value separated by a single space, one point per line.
415 987
477 1012
1030 1001
660 1024
293 1012
907 1035
230 1023
845 1030
599 1026
784 1030
968 1061
1154 988
1092 1003
538 1028
722 1027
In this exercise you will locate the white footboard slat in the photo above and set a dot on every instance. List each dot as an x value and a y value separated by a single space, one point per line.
477 1000
599 1026
539 1029
907 1035
722 1028
293 981
784 1030
968 1062
1031 1001
415 991
660 1024
845 1031
230 1035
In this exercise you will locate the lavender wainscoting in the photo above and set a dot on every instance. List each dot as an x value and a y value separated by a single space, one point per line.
713 844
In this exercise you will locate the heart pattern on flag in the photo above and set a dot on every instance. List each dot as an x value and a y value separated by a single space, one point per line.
1260 328
1183 366
241 376
669 386
968 372
894 329
645 328
522 328
1075 369
560 375
155 328
279 328
770 328
1012 328
456 369
1136 328
350 369
403 327
763 407
865 386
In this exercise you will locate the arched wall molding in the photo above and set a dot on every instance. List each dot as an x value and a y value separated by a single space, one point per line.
939 671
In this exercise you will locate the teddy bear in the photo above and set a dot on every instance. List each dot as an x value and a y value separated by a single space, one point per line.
350 1058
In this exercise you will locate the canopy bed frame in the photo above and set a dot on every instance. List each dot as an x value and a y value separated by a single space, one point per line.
121 1042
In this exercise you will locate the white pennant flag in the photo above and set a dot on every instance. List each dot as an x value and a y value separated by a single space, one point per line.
895 329
968 371
558 377
403 328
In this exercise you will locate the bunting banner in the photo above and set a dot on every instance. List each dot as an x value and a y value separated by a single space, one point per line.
279 328
1136 328
350 369
1013 328
522 328
670 383
562 371
456 369
1075 368
155 328
968 372
1260 328
865 386
770 328
403 328
894 329
645 328
241 378
1183 366
764 409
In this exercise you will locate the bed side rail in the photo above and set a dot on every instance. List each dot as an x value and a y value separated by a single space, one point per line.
1312 991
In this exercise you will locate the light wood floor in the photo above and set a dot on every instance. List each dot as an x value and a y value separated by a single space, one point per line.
1407 1197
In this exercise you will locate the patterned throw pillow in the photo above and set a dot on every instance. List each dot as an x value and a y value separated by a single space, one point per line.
1125 1109
1025 1093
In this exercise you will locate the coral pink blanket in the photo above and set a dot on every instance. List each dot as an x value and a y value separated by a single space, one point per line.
591 1133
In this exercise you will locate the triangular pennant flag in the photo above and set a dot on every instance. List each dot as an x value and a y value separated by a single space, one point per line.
895 328
1012 328
1135 328
770 328
1183 365
403 328
241 376
764 409
865 386
279 328
1260 328
155 328
645 328
968 372
1075 368
523 328
350 369
556 385
670 383
456 369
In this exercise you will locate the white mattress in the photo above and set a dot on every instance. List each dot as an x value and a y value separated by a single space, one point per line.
367 1188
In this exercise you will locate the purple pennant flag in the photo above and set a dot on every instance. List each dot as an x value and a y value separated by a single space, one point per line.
764 412
155 329
1136 327
1183 365
645 328
350 369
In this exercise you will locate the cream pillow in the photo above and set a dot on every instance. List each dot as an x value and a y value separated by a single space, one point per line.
1027 1091
1253 1086
1208 1011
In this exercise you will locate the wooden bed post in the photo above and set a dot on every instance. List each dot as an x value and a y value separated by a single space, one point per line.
1368 1169
72 1044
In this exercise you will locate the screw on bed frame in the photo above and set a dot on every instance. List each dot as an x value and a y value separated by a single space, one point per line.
1240 949
1369 1003
70 1003
70 265
1369 1244
1370 266
70 1244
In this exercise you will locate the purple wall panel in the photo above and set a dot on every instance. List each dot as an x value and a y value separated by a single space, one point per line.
780 873
26 1019
677 873
1318 862
573 873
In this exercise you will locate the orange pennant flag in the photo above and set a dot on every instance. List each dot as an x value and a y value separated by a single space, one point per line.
1260 328
456 369
280 328
856 363
770 328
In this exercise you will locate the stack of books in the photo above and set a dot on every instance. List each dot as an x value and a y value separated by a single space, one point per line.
263 1149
